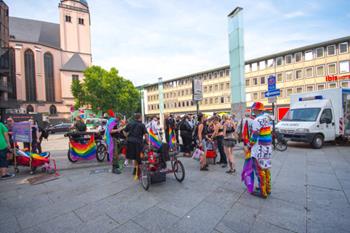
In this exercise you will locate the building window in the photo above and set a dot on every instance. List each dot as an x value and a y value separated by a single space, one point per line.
210 88
75 77
345 84
288 59
319 52
262 65
343 47
270 63
209 76
12 74
216 87
81 21
332 68
255 66
53 110
30 108
279 77
222 86
30 82
331 50
227 86
309 72
262 95
344 67
205 89
255 96
320 87
247 68
247 82
221 73
255 81
289 76
49 77
216 100
298 57
332 85
279 61
227 72
309 88
320 70
298 74
210 100
222 100
68 19
299 89
289 91
262 80
215 75
308 55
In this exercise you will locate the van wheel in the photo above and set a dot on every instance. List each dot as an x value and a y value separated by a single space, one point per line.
318 141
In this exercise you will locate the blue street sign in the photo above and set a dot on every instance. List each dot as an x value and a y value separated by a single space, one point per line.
271 82
276 92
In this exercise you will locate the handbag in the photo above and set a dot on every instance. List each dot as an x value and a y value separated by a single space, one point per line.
197 154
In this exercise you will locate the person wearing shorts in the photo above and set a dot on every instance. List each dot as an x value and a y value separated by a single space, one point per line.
4 146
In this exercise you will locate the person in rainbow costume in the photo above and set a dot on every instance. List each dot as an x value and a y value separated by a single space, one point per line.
260 149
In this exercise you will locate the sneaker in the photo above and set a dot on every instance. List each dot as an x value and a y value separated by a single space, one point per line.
229 171
126 163
258 194
204 169
7 176
224 165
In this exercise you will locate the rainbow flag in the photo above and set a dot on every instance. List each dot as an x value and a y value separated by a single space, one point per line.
108 138
154 139
247 175
172 138
245 133
83 151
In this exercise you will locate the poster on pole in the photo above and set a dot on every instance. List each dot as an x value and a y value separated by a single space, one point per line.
197 90
21 132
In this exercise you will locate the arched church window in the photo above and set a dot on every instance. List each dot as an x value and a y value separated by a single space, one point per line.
49 77
29 65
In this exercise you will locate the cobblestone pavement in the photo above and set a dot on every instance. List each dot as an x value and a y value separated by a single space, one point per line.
310 193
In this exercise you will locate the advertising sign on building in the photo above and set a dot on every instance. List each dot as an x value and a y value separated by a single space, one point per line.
197 90
21 132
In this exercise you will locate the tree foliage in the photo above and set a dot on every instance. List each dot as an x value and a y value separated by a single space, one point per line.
103 90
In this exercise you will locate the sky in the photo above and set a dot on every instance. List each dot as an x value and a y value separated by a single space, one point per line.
148 39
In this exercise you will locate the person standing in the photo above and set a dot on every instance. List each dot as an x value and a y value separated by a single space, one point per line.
201 135
260 146
229 143
135 131
219 137
116 135
4 146
186 135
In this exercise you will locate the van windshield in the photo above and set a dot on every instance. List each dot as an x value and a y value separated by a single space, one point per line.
302 114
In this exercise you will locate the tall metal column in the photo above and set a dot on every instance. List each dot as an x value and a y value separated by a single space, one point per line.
236 51
161 103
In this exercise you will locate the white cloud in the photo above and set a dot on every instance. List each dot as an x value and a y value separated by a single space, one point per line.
294 14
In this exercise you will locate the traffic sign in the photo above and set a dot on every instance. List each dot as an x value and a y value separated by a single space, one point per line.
276 92
272 99
271 82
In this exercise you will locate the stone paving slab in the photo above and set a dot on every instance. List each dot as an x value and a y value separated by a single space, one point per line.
310 193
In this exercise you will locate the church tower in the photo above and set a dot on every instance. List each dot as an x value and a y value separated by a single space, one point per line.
75 26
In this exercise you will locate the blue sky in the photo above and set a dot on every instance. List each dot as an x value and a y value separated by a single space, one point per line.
147 39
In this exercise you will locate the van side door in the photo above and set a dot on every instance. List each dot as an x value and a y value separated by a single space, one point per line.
327 124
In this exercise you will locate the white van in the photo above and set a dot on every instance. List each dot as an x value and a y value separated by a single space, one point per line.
317 117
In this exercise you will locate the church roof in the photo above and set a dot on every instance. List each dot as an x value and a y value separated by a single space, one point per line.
75 63
28 30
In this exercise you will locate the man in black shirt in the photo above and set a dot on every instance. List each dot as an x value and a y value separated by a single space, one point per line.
135 130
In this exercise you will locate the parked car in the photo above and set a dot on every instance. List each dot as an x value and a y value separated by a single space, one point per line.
59 128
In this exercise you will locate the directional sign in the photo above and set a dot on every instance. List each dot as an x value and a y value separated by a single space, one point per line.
276 92
271 81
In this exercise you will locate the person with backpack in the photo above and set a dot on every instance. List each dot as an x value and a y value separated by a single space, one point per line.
186 135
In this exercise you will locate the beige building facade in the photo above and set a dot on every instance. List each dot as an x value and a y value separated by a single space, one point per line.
309 68
46 57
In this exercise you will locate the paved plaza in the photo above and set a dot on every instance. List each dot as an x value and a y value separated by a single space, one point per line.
310 193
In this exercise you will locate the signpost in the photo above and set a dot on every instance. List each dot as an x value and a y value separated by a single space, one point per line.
197 92
272 94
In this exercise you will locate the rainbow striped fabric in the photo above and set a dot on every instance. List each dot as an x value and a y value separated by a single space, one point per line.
265 137
108 138
83 151
156 143
172 138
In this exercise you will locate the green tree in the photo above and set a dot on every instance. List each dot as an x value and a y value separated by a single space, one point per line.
104 90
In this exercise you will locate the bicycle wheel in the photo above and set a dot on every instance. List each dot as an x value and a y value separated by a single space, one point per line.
145 177
179 170
101 152
281 146
71 158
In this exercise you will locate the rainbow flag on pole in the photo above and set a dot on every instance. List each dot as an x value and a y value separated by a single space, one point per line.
154 139
172 138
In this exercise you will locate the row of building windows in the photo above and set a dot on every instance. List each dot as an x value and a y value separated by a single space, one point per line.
286 92
29 74
308 55
308 72
69 19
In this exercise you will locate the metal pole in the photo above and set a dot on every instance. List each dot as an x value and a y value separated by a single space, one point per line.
197 103
161 103
273 124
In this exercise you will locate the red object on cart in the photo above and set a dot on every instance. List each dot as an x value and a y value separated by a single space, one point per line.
211 154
